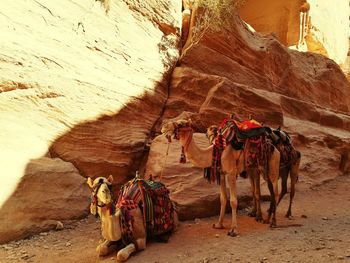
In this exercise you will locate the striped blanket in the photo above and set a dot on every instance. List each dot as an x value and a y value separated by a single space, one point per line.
153 200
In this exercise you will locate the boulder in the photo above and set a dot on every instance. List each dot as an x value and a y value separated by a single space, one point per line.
51 190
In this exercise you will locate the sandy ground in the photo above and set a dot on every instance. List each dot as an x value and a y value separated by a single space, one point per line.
318 232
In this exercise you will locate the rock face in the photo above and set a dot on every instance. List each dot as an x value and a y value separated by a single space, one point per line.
81 84
84 86
243 73
51 190
237 71
326 25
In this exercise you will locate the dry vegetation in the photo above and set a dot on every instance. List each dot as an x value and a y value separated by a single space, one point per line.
213 15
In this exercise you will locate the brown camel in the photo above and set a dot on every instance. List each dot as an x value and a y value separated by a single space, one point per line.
231 164
289 165
269 171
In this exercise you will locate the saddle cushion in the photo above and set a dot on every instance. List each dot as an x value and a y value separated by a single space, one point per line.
153 200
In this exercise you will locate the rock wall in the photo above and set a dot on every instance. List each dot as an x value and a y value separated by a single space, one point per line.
236 71
82 84
280 17
84 90
326 24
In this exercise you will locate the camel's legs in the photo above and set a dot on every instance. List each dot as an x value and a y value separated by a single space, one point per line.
223 202
254 178
252 186
124 253
258 216
272 208
107 247
232 177
293 180
284 177
273 175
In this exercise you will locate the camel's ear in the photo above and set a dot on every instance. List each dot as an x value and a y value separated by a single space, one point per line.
110 179
90 182
190 121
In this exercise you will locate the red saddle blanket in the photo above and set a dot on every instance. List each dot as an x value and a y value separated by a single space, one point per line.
153 200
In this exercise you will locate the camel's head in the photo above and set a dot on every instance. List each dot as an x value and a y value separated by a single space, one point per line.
212 132
172 128
101 192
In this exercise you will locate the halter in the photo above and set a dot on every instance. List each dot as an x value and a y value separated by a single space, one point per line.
177 129
95 200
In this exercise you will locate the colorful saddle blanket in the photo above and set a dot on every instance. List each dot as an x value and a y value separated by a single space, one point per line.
283 142
153 200
243 130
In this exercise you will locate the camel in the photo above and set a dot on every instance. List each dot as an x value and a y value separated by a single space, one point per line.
289 165
125 229
231 161
270 172
110 222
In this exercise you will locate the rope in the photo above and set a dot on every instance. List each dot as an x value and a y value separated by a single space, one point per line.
166 157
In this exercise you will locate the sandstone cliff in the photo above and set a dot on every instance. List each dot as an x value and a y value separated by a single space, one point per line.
319 26
81 85
84 91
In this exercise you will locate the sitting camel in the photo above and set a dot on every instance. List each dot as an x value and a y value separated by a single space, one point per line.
268 168
231 161
122 224
289 165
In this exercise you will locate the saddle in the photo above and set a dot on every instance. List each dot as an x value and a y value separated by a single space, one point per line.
153 200
250 136
283 142
242 130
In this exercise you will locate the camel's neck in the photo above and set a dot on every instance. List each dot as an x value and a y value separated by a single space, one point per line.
196 155
109 224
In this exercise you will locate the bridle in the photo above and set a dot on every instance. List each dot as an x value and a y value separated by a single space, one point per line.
180 128
95 200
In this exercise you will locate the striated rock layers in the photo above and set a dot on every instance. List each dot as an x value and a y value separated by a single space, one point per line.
240 72
83 83
84 87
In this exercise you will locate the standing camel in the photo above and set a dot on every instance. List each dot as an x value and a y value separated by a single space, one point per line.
268 168
231 161
289 165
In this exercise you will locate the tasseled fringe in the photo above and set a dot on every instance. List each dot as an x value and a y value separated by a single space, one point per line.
183 156
212 173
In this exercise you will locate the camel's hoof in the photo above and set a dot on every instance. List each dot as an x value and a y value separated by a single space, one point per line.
218 226
252 214
273 224
259 219
232 233
122 256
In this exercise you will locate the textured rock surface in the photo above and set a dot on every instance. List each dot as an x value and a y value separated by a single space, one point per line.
243 73
82 85
279 17
89 87
328 31
51 190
